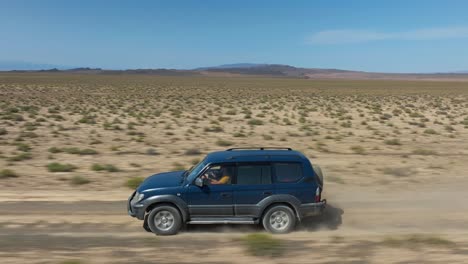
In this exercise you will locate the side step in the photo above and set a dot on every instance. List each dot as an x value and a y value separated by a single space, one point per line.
218 220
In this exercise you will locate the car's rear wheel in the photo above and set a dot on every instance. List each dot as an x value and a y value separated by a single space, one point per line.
164 220
279 219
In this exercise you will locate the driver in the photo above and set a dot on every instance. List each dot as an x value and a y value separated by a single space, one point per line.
224 177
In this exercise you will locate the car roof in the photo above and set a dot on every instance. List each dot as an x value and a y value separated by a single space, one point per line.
259 154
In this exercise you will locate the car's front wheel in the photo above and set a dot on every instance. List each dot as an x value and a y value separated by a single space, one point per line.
145 224
279 219
164 220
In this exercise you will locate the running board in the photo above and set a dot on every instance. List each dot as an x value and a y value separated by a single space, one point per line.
222 221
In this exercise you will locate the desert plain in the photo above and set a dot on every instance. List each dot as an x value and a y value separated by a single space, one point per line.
74 146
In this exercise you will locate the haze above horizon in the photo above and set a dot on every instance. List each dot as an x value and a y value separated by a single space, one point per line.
373 36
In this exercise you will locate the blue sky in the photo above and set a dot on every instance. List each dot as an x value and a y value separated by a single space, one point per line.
379 36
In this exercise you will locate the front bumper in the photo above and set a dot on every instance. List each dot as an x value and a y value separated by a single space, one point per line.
311 209
135 209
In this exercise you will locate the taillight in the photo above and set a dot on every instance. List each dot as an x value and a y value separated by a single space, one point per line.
318 194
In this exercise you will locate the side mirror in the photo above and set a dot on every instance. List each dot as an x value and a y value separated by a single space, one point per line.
200 182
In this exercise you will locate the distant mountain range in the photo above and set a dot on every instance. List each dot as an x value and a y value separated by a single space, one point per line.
29 66
238 70
234 65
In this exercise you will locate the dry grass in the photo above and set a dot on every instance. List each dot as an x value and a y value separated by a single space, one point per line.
417 240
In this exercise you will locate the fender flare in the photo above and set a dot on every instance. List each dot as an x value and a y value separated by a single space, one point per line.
168 198
280 198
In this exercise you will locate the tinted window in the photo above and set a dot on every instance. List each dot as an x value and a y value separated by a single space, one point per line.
253 174
288 172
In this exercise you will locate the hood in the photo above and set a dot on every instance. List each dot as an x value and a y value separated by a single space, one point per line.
161 180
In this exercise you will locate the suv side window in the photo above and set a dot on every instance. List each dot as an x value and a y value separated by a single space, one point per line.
249 174
287 172
218 174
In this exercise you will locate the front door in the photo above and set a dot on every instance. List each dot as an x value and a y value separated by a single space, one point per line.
214 199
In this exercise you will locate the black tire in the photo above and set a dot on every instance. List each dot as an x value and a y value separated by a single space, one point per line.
164 220
145 224
279 219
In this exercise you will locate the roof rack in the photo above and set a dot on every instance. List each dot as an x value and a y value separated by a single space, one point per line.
260 148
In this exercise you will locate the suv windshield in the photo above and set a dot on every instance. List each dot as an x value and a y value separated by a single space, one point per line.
192 172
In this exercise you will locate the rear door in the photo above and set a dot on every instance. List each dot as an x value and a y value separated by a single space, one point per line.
253 182
289 179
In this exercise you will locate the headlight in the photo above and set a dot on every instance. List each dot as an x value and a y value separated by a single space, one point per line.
138 197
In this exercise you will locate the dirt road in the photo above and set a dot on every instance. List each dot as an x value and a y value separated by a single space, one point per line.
418 224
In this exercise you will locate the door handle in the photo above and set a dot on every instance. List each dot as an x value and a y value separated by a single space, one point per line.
266 193
225 195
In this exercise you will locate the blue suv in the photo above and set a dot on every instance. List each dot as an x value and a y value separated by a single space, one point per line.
276 187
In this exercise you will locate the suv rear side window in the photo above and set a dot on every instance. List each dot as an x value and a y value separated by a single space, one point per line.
253 174
287 172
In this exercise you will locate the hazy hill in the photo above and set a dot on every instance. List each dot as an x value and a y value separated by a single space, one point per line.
230 66
275 70
28 66
251 69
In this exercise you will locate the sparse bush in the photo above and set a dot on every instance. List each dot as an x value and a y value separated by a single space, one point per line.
72 261
87 120
213 129
88 152
54 150
231 112
28 134
134 182
393 142
224 143
385 116
417 240
106 167
398 172
192 151
239 134
430 131
73 150
58 167
151 152
255 122
449 128
95 142
20 157
79 180
263 245
6 173
177 166
346 124
358 150
425 152
23 147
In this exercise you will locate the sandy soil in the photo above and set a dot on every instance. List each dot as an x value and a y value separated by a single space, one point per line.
358 227
394 155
